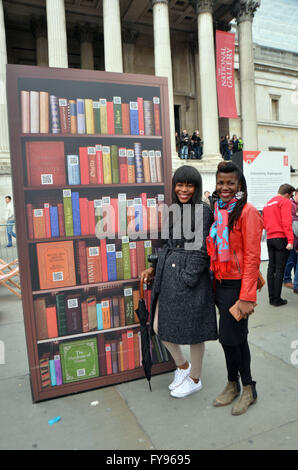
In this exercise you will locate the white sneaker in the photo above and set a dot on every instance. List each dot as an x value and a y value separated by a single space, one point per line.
187 387
179 376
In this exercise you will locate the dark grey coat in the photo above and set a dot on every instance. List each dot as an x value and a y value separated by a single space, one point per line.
182 286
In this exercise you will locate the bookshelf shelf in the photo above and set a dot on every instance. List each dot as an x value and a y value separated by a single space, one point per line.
70 308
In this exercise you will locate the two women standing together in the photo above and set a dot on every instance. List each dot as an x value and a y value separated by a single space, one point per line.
183 294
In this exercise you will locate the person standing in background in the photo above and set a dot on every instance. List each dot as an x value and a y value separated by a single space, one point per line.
292 259
277 218
9 221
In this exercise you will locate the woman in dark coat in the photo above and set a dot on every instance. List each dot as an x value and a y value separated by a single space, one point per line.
182 306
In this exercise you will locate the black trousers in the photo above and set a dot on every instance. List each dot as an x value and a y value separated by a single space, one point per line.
238 362
278 256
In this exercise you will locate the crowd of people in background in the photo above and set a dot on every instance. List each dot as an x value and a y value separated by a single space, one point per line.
191 147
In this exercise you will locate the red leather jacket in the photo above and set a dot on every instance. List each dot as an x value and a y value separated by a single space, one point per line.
245 252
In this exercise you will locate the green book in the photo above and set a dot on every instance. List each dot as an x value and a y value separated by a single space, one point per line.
119 264
115 164
122 214
79 360
67 207
128 303
117 114
126 258
61 315
96 114
148 251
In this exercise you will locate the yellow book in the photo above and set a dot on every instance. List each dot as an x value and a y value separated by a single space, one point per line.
103 116
107 166
89 116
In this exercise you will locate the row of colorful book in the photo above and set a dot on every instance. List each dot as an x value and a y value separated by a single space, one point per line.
71 314
85 359
46 113
105 217
47 164
59 265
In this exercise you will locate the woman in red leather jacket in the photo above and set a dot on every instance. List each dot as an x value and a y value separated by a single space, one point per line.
234 246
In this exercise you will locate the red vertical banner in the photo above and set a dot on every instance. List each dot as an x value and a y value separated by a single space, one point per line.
225 51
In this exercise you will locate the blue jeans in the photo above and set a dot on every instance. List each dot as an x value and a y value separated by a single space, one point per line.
184 152
291 264
10 232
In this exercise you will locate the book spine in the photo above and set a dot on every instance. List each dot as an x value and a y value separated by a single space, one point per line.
134 118
148 251
123 171
158 162
96 117
131 176
52 326
91 217
58 370
111 262
99 164
156 106
148 117
125 119
146 166
73 314
89 116
64 115
117 114
144 211
104 265
34 112
93 264
108 351
107 166
152 164
52 373
85 320
81 261
39 307
44 112
61 315
130 345
92 165
103 116
92 314
29 221
75 200
99 316
84 209
140 257
67 208
114 356
54 221
101 354
133 259
73 169
122 214
61 219
84 165
126 258
141 115
73 116
119 265
138 209
136 298
25 111
116 314
39 226
138 163
54 114
81 126
110 117
98 212
131 223
115 164
106 314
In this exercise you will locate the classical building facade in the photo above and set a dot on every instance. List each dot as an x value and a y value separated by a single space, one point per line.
171 38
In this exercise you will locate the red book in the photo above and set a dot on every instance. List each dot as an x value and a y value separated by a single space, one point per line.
84 165
140 256
104 263
45 163
52 321
133 259
92 165
115 223
125 350
130 349
81 261
141 116
39 226
101 354
144 211
108 358
110 117
91 217
29 221
46 208
99 166
156 112
84 311
125 119
64 115
84 209
123 170
93 264
61 219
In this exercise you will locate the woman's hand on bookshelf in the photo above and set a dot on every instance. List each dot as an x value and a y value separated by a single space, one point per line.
147 275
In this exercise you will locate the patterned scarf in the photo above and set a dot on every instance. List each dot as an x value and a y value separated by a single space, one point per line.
218 239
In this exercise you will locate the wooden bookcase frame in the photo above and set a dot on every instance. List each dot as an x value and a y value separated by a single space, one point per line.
20 191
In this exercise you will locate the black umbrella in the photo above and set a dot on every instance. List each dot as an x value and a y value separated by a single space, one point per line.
143 315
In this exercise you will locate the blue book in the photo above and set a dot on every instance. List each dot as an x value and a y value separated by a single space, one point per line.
53 372
73 169
99 317
134 117
111 262
138 214
54 221
81 126
75 202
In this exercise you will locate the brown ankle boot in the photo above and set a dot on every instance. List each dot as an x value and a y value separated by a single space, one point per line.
248 397
230 392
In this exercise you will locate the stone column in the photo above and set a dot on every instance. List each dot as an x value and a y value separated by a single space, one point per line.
129 36
112 36
4 137
57 38
244 12
210 133
85 35
163 59
39 30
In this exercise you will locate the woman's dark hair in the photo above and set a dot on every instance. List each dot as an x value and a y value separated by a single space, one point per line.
188 174
230 167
